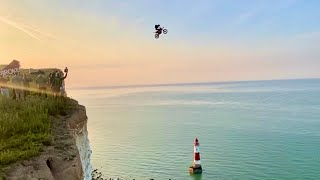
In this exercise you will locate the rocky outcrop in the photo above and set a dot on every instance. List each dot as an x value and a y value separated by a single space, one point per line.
67 158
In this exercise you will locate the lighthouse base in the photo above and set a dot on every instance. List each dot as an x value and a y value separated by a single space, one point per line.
195 170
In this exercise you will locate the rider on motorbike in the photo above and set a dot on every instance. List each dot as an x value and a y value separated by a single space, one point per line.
158 28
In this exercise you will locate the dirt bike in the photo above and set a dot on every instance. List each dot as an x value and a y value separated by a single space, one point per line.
158 32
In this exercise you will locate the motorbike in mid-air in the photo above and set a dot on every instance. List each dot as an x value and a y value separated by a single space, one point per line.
160 31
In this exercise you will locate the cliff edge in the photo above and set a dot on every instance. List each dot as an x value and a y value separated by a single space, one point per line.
67 158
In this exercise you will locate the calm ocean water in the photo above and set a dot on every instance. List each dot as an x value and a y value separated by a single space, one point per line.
247 130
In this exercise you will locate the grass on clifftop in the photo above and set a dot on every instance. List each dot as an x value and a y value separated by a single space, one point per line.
25 126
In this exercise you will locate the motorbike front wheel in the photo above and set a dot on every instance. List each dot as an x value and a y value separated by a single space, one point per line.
165 31
156 36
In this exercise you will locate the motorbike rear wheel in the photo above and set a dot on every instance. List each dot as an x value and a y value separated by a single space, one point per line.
156 36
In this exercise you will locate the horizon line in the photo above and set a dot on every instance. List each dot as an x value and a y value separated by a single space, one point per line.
187 83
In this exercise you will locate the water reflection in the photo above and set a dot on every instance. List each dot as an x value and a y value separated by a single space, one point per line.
196 176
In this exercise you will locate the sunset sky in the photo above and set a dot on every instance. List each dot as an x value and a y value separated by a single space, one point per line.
111 42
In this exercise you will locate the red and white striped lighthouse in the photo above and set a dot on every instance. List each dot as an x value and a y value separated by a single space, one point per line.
196 150
196 167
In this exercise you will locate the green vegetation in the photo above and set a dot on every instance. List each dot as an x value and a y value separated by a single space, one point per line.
25 126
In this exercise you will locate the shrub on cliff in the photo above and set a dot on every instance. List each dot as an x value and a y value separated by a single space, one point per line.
25 126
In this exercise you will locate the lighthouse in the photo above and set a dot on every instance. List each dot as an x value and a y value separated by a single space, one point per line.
196 166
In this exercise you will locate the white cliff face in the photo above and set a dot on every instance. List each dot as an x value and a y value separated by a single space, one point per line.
82 142
78 124
72 164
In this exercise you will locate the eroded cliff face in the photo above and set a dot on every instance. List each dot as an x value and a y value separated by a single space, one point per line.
68 157
80 134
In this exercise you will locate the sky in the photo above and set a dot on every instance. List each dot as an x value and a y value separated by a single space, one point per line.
111 42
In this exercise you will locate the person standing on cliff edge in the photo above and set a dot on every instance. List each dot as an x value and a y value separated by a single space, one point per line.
51 77
57 83
17 81
26 84
42 85
3 87
63 87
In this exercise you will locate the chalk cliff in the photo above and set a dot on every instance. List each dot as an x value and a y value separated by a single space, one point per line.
67 158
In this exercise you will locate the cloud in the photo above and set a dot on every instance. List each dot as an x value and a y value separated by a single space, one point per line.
19 27
32 28
27 29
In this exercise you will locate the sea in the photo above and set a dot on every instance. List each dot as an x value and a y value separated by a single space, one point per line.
247 130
